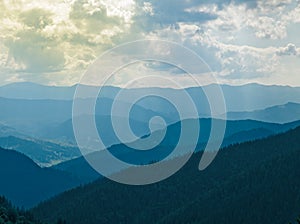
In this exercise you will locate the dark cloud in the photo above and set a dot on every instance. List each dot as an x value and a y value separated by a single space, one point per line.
159 66
171 12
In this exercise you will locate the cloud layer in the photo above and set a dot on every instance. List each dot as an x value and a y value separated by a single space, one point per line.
242 41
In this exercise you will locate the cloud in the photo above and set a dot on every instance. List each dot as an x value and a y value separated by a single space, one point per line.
225 59
55 42
154 14
288 50
245 61
29 47
264 20
242 42
36 18
55 37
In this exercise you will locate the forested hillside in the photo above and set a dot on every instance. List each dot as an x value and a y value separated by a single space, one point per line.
12 215
252 182
24 183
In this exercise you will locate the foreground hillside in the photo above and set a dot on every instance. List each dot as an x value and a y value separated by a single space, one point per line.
12 215
25 184
253 182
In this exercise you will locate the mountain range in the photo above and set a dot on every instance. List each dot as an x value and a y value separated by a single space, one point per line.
39 183
257 162
238 98
236 132
45 112
48 153
44 118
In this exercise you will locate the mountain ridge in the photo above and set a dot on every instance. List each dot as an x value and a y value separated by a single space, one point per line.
257 185
26 184
285 113
236 132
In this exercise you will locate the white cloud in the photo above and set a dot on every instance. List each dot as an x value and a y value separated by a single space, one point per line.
265 20
293 16
59 37
147 8
56 41
288 50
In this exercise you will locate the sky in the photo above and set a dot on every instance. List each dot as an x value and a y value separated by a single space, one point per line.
243 41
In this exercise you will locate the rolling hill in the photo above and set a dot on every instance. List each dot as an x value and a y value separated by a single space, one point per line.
278 114
25 184
6 131
64 131
236 132
51 119
41 152
46 111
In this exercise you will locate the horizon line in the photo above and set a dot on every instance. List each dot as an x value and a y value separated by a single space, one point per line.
142 87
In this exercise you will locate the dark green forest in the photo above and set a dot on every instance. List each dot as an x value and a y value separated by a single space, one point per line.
11 215
25 183
252 182
298 220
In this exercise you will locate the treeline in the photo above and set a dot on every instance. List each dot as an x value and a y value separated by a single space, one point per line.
11 215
